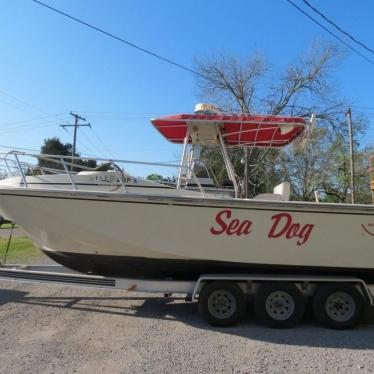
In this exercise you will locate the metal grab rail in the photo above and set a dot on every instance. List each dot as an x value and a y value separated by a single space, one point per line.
68 173
13 157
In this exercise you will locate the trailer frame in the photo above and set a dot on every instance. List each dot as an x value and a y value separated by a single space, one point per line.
249 284
57 274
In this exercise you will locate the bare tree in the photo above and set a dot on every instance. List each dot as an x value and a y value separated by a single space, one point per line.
304 87
230 82
300 88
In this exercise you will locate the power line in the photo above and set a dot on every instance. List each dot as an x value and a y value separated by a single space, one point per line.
25 110
328 31
95 149
144 50
125 120
23 102
16 148
337 27
153 54
119 113
92 149
26 126
92 153
31 120
16 130
76 125
81 144
102 142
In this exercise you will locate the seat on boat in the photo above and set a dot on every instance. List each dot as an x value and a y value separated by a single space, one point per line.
281 192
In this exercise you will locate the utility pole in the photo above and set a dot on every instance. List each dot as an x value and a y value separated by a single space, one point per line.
351 153
76 125
246 172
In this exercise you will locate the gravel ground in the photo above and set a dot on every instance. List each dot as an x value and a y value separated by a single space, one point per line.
54 329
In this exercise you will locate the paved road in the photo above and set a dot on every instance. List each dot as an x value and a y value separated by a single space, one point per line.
54 329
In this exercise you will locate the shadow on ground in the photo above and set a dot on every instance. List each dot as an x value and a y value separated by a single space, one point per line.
11 296
174 309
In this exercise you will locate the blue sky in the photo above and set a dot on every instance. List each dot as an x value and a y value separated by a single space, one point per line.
55 65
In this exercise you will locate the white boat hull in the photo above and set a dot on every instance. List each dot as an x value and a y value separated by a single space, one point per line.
154 236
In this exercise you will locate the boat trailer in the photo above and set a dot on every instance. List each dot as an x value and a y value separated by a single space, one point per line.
204 289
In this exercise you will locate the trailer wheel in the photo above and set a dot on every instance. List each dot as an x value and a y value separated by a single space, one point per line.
222 303
279 305
338 306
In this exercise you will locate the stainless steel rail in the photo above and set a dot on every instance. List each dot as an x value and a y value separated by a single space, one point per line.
12 161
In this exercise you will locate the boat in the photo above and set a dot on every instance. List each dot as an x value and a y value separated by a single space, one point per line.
107 176
183 234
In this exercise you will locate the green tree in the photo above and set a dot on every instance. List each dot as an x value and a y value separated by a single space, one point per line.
337 186
54 146
159 178
155 177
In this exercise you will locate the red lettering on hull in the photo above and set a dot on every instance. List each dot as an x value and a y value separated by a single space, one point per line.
230 227
282 226
368 228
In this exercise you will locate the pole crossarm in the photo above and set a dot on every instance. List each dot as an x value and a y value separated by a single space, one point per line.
76 125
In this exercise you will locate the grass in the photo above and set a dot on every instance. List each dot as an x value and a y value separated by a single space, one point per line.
7 226
21 251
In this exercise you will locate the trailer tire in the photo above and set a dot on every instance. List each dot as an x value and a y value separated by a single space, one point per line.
279 305
338 305
222 303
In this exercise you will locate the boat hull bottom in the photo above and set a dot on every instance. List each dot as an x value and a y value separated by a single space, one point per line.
154 268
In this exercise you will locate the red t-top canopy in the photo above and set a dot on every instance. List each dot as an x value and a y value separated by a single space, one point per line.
245 130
